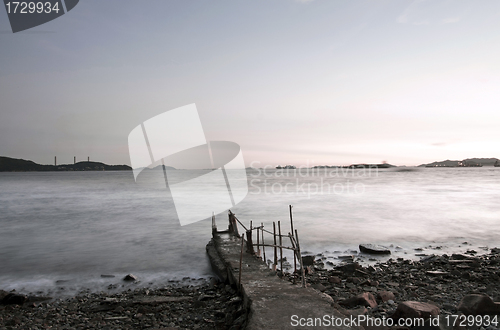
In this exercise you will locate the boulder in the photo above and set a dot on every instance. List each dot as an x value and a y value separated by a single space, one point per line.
374 249
478 304
130 278
308 260
365 299
412 309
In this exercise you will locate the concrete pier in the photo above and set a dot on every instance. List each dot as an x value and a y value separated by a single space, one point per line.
272 303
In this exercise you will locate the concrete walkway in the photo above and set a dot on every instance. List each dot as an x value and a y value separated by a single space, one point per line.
273 303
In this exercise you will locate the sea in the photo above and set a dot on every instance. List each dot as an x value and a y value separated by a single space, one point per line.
61 231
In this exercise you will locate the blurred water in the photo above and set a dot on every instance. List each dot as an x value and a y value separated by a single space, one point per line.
76 226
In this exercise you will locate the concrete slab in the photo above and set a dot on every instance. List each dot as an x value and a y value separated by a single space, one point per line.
273 303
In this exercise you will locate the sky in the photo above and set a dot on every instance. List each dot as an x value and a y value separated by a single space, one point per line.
318 82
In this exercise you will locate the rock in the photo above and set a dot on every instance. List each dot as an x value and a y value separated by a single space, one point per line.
456 256
334 279
385 295
3 294
130 278
349 268
478 304
412 309
308 260
374 249
436 273
365 299
14 299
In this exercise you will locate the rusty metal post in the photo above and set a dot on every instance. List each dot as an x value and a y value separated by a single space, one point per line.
263 247
258 246
275 249
281 249
291 225
241 260
299 255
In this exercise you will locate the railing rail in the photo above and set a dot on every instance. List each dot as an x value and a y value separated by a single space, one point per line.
277 239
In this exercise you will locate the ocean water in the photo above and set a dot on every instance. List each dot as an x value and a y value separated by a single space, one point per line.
60 231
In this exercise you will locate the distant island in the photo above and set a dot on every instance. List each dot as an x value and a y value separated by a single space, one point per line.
20 165
358 166
469 162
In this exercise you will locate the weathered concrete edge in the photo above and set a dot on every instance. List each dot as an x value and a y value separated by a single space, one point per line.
223 270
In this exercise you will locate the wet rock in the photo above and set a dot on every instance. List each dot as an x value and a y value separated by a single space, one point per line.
374 249
412 309
130 278
334 279
3 294
478 304
365 299
350 268
308 260
14 299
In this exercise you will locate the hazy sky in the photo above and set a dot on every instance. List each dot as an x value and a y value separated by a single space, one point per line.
292 82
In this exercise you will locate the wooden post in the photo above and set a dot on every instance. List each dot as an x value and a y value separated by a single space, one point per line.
263 247
233 226
281 249
214 225
299 255
249 242
241 260
275 249
291 225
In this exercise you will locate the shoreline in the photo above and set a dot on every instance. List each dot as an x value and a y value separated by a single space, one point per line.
380 290
208 305
376 290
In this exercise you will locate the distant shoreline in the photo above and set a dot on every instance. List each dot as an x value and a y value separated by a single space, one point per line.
20 165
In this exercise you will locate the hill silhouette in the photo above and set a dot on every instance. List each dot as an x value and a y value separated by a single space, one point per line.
8 164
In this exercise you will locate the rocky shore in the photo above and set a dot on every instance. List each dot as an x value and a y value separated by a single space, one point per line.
210 305
436 285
